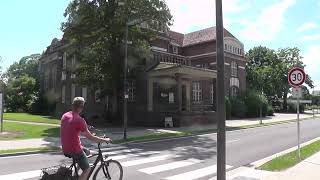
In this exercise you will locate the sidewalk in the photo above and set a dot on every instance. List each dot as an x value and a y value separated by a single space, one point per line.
270 119
308 169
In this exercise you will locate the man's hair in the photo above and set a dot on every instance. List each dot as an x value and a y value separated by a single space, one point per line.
78 102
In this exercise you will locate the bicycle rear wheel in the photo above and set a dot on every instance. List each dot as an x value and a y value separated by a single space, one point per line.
111 170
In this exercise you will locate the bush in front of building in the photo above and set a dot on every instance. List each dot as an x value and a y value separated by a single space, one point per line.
292 108
270 111
238 107
42 105
254 100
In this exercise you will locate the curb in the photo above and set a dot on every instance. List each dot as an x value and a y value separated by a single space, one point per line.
260 162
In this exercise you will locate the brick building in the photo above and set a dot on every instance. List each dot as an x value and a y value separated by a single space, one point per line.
178 82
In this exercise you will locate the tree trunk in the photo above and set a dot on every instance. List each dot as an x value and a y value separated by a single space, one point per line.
285 102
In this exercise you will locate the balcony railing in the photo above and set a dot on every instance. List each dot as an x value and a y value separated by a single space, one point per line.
160 56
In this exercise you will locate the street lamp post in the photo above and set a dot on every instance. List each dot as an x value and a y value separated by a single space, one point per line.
312 102
125 90
221 111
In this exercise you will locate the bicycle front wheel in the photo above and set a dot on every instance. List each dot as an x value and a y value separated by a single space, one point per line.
111 170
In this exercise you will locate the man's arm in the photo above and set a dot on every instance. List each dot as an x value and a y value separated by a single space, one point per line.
96 139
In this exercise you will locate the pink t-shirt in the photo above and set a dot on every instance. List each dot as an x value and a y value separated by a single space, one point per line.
71 126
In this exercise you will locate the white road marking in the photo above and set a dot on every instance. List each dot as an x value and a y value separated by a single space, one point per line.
234 140
123 151
112 148
119 157
196 173
169 166
145 160
22 175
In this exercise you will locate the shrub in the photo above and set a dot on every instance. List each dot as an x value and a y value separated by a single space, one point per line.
238 107
254 100
292 108
270 111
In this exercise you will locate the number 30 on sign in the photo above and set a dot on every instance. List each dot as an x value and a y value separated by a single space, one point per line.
296 77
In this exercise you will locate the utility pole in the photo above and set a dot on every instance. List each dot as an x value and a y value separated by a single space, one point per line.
1 110
221 108
312 102
125 91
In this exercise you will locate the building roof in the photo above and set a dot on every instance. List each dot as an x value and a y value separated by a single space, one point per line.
204 35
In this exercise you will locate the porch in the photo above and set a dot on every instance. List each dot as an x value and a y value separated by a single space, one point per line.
170 94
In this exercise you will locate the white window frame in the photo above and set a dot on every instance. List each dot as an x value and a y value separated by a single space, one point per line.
234 69
196 92
234 91
63 94
175 50
63 76
132 91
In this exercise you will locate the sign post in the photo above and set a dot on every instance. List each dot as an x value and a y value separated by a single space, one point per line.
296 78
1 110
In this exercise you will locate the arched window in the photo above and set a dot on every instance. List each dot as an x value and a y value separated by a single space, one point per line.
234 91
234 69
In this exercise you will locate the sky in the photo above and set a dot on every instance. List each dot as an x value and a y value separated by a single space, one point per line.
27 27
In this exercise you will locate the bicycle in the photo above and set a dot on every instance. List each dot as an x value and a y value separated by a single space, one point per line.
109 169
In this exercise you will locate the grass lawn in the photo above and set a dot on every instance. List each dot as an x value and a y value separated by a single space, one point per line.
12 151
26 131
288 160
30 118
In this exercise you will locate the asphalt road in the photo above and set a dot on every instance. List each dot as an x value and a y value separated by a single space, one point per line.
179 159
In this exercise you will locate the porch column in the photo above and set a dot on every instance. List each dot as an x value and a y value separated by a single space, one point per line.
188 96
179 92
150 94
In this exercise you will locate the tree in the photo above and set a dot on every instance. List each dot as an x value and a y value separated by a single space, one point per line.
96 28
27 66
267 70
20 93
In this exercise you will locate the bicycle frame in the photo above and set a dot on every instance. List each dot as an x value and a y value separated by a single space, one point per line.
99 159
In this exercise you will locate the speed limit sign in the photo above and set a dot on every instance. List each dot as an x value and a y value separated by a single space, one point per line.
296 77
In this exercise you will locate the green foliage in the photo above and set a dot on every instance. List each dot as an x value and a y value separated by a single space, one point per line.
20 93
238 107
292 108
27 66
104 24
270 111
96 29
42 105
267 70
254 100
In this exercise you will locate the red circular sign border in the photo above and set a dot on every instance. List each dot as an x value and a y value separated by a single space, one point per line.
303 73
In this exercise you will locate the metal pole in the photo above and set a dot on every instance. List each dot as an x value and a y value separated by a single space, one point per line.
2 110
221 109
298 126
312 102
261 108
125 97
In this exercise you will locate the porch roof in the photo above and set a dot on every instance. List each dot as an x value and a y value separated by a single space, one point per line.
172 69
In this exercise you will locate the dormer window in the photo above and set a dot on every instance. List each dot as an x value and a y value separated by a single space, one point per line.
175 50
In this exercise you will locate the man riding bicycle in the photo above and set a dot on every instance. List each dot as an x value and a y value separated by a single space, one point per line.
72 124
